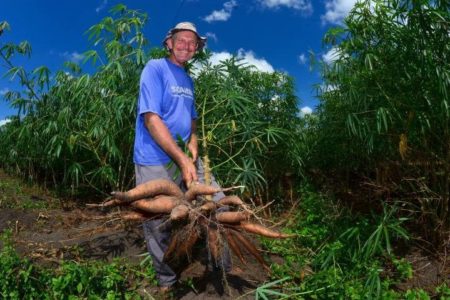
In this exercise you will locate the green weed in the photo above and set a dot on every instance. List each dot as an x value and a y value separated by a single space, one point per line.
21 279
338 255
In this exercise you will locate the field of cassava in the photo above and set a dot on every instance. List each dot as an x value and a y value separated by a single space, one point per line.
349 202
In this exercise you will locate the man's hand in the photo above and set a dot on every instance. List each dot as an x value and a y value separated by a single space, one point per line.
188 171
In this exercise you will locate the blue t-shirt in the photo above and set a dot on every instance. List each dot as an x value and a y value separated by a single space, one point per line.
168 91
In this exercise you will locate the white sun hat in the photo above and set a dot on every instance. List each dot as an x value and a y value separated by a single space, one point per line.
186 26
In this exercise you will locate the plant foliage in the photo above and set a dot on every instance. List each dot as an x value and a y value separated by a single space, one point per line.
384 106
76 130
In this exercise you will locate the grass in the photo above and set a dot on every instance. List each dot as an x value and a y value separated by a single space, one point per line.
15 194
340 255
21 279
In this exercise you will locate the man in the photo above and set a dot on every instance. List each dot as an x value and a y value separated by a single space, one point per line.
166 112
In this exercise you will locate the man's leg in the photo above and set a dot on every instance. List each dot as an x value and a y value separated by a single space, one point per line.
157 236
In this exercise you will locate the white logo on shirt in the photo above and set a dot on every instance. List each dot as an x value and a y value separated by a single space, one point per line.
181 91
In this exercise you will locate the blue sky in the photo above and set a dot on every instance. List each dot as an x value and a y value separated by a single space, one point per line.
270 34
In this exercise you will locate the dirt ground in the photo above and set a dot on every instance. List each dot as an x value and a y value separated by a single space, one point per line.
77 233
47 236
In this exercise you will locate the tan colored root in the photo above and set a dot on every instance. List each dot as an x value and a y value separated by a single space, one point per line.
162 204
110 203
213 243
242 240
181 244
198 189
179 212
188 244
231 200
150 189
232 217
234 246
236 201
133 216
173 245
209 206
263 231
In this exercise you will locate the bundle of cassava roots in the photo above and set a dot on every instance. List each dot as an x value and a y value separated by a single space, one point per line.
194 216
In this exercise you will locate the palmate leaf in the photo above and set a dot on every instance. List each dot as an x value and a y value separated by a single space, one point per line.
55 146
239 104
8 50
14 71
22 105
95 31
275 134
103 175
43 74
74 173
119 8
24 48
119 69
267 291
90 54
249 175
4 26
382 120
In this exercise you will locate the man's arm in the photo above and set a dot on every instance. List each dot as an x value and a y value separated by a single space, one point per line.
160 133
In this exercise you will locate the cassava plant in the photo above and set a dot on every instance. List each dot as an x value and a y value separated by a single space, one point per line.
76 130
385 106
248 123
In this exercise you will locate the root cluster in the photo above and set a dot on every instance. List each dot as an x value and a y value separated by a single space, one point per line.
224 221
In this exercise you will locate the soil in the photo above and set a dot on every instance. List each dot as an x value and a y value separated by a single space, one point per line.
48 236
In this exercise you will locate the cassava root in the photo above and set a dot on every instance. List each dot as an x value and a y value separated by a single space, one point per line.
195 219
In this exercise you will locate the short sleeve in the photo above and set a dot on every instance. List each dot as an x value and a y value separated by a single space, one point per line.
151 90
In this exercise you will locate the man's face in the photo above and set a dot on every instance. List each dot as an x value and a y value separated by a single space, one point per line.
183 45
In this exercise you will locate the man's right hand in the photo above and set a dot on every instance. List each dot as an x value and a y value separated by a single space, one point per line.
188 171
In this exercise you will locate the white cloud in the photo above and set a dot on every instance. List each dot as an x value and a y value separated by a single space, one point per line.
223 14
302 59
4 121
217 57
101 6
73 57
211 36
302 5
305 111
260 63
247 57
3 91
330 56
337 10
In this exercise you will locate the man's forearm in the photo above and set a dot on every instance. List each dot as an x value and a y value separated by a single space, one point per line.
160 133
